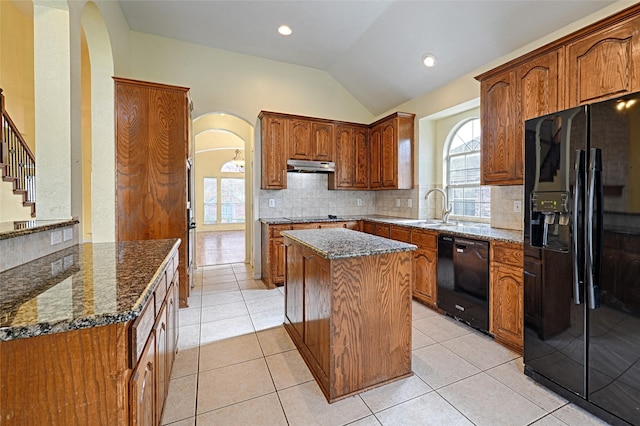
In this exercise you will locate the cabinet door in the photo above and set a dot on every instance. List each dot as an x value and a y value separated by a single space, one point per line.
345 158
361 158
172 323
322 141
294 289
317 312
539 89
604 65
299 136
142 387
274 152
161 358
507 305
498 115
425 263
375 157
539 92
389 160
277 260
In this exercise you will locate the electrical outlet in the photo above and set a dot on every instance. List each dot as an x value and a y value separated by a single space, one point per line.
67 234
56 237
359 202
410 203
517 206
398 202
272 202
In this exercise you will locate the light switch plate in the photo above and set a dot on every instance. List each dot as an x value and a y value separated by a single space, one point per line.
272 202
409 203
398 203
359 202
517 206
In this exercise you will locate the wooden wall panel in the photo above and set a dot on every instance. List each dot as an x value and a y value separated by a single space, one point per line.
71 378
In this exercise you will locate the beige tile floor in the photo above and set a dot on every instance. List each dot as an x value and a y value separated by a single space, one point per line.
237 366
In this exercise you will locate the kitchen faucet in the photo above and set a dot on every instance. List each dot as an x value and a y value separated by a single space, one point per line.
445 211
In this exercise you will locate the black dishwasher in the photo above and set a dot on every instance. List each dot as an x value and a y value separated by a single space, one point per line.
463 279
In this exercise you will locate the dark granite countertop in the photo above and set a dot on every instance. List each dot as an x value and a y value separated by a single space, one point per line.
340 243
84 286
25 227
482 231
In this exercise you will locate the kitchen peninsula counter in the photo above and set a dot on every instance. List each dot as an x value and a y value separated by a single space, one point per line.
88 334
83 286
348 307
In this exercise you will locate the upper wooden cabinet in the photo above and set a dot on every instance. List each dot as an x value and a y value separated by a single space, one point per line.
274 129
391 152
322 144
152 138
604 64
378 156
352 158
598 62
498 118
310 140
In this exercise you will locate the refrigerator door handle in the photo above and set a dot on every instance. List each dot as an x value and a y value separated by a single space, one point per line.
594 224
577 198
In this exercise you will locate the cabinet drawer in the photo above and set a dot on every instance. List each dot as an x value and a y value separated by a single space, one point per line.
507 253
382 230
400 233
298 226
140 331
161 291
276 229
424 239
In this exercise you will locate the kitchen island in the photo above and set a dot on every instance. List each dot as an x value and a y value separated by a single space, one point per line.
88 334
348 307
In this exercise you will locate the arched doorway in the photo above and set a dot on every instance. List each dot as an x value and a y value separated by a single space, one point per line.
223 192
97 190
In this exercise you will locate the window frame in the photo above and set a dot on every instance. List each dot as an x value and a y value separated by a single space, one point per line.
448 187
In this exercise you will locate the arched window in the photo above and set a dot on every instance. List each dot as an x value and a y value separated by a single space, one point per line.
229 189
462 173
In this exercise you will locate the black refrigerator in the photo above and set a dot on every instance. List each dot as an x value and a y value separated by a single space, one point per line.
582 256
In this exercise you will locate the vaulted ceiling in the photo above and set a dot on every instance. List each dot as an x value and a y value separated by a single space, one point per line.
373 48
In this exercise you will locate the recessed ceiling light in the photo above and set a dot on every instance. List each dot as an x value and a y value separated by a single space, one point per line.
429 60
284 30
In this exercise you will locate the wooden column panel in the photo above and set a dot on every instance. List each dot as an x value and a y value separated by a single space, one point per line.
152 122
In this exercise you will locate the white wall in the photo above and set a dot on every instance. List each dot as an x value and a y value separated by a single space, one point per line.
243 85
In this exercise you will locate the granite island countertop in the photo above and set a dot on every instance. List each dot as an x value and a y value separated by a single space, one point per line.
340 243
482 231
86 285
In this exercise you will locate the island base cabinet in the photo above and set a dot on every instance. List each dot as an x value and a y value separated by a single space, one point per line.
356 319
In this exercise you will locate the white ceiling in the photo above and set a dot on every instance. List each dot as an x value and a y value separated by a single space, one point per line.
373 48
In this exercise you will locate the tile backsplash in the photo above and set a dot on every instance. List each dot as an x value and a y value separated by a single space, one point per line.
307 196
502 207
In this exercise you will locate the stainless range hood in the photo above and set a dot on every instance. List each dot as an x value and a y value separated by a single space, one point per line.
310 166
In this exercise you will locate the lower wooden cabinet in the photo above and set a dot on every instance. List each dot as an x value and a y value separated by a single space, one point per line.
506 299
273 261
425 261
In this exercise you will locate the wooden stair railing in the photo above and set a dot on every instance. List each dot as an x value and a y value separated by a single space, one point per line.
17 162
